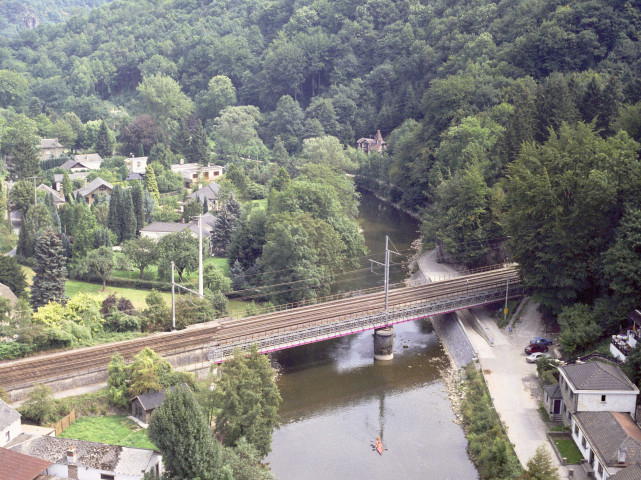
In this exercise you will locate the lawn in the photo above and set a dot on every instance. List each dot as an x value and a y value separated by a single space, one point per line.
568 449
112 429
152 271
136 296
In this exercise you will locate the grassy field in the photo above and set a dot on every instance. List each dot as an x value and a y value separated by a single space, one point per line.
569 450
151 273
136 296
112 429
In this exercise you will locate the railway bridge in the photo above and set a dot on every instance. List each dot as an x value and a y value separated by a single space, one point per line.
272 331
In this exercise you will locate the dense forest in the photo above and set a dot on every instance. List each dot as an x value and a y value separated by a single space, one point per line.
512 125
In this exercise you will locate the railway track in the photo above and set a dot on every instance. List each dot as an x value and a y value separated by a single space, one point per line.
25 372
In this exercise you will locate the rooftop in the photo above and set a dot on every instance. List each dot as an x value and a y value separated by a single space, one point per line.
7 415
597 376
57 198
209 191
17 466
161 227
608 432
632 472
151 400
50 143
91 186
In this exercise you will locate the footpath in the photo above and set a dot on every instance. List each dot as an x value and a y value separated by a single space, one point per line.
512 382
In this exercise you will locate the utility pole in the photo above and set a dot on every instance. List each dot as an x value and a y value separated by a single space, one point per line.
507 287
386 267
200 256
173 299
35 197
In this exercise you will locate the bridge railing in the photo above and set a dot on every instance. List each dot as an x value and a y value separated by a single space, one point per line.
368 319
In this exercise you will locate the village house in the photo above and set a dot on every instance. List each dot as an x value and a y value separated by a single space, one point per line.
621 344
17 466
93 190
90 161
157 230
210 192
58 198
193 173
75 176
143 405
376 144
595 387
50 148
10 424
136 164
82 460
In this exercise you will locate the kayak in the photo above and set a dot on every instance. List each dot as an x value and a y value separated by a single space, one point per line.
379 446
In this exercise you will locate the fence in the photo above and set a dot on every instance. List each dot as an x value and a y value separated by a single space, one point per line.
64 422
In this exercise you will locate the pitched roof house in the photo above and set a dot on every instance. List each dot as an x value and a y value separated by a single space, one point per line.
595 386
143 405
608 441
90 161
158 230
17 466
95 188
83 460
58 199
59 177
195 172
210 192
376 144
50 148
9 423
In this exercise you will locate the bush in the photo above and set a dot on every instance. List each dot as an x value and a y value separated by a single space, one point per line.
40 405
579 330
11 349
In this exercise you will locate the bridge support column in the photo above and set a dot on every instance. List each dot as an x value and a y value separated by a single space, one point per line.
384 343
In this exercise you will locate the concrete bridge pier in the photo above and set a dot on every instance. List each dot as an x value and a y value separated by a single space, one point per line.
384 343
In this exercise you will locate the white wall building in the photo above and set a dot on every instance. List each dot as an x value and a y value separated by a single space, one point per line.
10 424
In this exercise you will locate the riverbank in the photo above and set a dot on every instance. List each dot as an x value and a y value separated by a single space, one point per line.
364 185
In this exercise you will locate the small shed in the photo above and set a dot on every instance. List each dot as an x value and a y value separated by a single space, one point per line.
143 405
553 400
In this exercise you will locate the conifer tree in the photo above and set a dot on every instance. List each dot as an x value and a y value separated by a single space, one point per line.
51 270
128 226
25 158
180 431
151 185
180 141
199 146
104 141
137 199
224 228
115 201
11 275
37 218
237 274
205 205
67 186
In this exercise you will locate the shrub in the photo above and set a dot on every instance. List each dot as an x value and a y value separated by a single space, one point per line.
40 405
11 349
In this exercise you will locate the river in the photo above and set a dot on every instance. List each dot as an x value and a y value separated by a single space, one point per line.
337 400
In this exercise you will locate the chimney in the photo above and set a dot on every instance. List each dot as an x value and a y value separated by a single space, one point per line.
71 455
182 161
621 455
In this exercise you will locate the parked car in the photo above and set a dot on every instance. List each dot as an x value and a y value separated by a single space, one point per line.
537 347
541 340
535 356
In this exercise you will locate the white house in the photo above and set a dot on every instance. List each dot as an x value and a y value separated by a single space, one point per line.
89 161
82 460
609 442
157 230
622 344
136 164
195 172
595 387
10 425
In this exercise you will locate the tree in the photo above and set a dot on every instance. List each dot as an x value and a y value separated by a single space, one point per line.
51 270
199 151
178 426
192 209
223 231
104 141
37 218
25 159
541 467
141 132
150 183
215 280
145 373
117 381
99 262
137 200
21 195
578 328
141 252
220 94
40 404
235 127
12 276
249 399
67 187
162 98
326 150
182 249
121 219
244 461
84 232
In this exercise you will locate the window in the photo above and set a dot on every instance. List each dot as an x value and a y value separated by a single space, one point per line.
603 398
583 442
107 476
576 429
600 468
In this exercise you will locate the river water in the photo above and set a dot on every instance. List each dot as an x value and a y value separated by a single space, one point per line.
337 400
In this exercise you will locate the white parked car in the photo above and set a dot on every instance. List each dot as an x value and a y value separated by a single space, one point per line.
535 356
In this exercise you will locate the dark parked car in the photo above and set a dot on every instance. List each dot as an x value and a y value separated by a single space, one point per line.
541 340
537 347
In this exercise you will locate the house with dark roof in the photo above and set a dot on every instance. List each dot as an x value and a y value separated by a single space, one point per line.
50 148
608 441
17 466
94 189
376 144
58 199
143 405
633 472
552 399
89 161
83 460
59 177
211 192
10 424
595 387
157 230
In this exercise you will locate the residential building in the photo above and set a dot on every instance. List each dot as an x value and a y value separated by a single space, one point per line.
622 344
193 173
157 230
59 177
90 161
136 164
17 466
595 387
608 441
553 401
50 148
376 144
94 189
83 460
210 192
58 198
10 424
6 292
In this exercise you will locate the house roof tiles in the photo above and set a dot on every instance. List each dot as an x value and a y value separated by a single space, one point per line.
7 415
57 198
210 192
597 376
632 472
18 466
93 185
164 227
553 391
151 400
50 143
608 432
